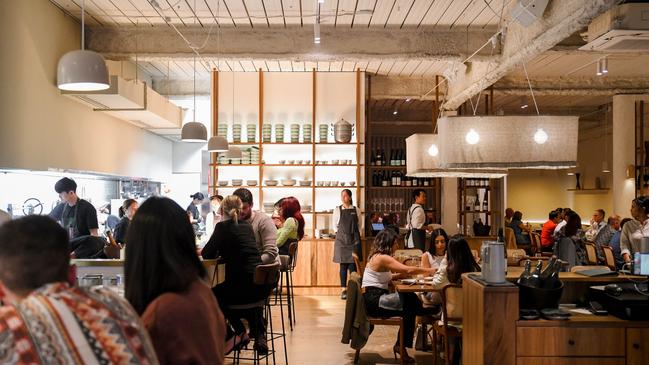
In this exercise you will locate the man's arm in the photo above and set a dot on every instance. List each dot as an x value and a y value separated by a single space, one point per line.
91 219
268 233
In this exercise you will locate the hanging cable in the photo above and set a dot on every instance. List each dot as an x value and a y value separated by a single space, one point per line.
529 84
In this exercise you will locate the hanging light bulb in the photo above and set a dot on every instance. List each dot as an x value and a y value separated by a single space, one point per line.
540 137
433 150
472 137
524 103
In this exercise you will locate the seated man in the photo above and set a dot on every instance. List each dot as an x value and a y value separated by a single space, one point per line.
599 233
47 321
616 226
547 241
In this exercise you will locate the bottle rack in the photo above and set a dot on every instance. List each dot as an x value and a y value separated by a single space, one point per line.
478 200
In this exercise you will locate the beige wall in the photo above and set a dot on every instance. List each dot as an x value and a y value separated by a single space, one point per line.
39 128
536 192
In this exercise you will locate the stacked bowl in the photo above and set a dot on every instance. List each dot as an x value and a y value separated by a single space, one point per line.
236 132
266 132
251 128
254 155
307 133
279 133
295 133
223 129
324 133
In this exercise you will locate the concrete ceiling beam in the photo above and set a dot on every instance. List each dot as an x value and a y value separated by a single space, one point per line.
294 44
595 86
561 19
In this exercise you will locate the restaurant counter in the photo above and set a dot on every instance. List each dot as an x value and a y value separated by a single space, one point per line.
493 333
114 267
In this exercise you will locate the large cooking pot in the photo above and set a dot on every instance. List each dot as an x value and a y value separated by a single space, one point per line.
343 131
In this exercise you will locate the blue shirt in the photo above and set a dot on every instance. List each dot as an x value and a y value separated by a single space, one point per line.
615 245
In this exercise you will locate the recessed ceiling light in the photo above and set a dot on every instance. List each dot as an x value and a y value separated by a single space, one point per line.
395 112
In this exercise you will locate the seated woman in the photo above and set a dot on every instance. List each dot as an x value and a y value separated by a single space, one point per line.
437 251
378 274
165 282
570 246
234 241
459 260
126 212
521 231
292 229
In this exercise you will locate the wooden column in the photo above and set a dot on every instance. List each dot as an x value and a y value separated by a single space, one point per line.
261 144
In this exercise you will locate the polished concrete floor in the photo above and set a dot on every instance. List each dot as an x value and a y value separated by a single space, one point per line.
315 338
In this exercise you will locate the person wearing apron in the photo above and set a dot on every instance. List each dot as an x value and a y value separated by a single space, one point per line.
416 220
348 238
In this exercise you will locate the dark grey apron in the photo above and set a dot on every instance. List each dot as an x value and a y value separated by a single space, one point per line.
348 237
418 235
71 224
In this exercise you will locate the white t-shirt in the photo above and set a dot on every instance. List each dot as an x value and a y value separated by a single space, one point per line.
417 220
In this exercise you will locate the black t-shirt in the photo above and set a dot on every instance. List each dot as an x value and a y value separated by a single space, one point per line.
82 217
194 211
120 230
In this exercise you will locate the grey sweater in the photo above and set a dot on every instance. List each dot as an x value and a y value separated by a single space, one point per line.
265 235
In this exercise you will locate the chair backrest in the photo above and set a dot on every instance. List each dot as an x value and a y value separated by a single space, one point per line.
357 263
452 297
292 255
589 267
609 257
476 255
267 274
591 253
408 252
536 241
510 239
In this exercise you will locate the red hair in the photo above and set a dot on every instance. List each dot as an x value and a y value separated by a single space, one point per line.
290 208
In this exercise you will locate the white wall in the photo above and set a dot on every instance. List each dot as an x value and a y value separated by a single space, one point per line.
39 128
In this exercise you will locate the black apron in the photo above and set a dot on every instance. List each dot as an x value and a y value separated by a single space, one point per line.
348 237
71 224
418 235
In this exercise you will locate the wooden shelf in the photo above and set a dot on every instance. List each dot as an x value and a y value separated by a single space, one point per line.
488 212
287 187
289 143
589 191
243 143
340 144
235 165
476 187
401 187
340 187
236 187
285 165
374 167
350 165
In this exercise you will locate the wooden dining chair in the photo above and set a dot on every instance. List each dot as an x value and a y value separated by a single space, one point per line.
450 324
591 253
609 257
408 252
510 238
357 263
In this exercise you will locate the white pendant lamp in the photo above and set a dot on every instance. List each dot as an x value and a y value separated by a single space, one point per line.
508 142
194 131
82 70
422 160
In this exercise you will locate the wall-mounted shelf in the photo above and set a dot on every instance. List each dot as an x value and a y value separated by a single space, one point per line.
589 191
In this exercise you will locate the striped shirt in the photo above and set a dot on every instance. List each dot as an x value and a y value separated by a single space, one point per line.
59 324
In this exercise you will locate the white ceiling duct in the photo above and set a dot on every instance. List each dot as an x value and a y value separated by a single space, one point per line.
624 28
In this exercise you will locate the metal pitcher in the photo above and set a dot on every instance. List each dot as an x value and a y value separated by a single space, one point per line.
492 254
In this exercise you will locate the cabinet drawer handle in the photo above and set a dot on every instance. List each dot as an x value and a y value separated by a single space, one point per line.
636 346
571 342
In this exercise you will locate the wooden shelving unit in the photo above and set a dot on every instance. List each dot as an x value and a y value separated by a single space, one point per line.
472 189
313 151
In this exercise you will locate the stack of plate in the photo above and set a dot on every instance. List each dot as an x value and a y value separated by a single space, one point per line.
251 128
236 132
295 133
245 156
307 133
254 155
266 132
279 133
223 129
222 160
324 132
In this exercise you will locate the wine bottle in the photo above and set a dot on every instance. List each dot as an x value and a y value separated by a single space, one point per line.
393 179
535 280
547 281
524 279
476 205
386 179
403 157
378 160
398 178
485 203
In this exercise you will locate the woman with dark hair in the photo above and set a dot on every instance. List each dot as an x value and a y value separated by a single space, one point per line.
126 212
436 251
634 230
381 269
292 224
165 281
459 260
234 241
569 245
521 231
192 210
348 238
